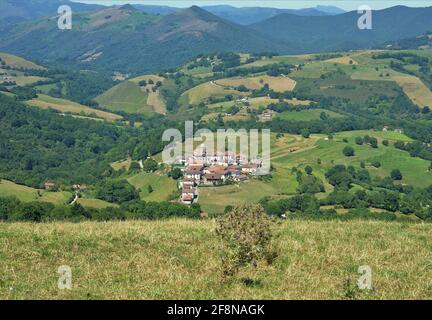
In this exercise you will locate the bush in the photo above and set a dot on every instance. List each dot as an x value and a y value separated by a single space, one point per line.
396 174
376 164
245 235
348 151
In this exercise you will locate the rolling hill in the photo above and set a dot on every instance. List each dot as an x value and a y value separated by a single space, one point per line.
13 11
156 42
340 32
150 40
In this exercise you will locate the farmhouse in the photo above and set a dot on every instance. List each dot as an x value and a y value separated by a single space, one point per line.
194 171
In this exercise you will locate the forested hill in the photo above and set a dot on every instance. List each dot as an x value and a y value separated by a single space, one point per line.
13 11
148 42
340 32
151 42
40 145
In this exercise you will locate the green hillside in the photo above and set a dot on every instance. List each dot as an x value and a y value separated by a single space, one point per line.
127 97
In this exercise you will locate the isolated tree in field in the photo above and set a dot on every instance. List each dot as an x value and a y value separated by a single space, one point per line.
376 164
308 170
150 189
385 143
395 174
245 234
348 151
305 133
359 140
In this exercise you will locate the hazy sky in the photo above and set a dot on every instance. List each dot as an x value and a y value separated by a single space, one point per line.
295 4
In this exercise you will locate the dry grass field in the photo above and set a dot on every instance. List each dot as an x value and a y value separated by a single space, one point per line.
415 89
343 60
62 105
19 63
206 90
180 259
278 84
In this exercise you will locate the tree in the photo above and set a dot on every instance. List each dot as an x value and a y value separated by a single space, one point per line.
385 143
395 174
308 170
150 165
150 188
359 140
175 173
134 167
348 151
305 133
245 234
376 164
117 191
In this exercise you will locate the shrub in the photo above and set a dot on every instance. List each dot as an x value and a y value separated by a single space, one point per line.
396 174
245 235
376 164
348 151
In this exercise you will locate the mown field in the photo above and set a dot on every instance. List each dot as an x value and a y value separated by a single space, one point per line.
180 259
66 106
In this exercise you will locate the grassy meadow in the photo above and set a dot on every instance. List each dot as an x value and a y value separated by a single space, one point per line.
126 96
62 105
180 259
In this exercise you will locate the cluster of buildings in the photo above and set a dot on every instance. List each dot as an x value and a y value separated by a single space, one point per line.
209 170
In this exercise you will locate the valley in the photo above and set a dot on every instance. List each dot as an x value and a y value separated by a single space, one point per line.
108 164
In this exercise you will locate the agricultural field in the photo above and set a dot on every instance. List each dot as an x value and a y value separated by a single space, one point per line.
66 106
291 151
307 115
206 90
415 89
163 186
316 260
28 194
277 84
127 97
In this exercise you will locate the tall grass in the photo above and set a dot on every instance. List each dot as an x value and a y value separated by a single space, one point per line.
179 259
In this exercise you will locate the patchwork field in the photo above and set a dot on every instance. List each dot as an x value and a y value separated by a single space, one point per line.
343 60
180 259
207 90
307 115
278 84
291 151
66 106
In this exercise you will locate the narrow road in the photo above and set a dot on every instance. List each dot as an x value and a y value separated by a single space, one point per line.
74 200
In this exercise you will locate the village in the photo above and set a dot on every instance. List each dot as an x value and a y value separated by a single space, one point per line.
203 169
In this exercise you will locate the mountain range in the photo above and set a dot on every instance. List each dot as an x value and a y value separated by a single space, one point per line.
13 11
124 38
246 15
